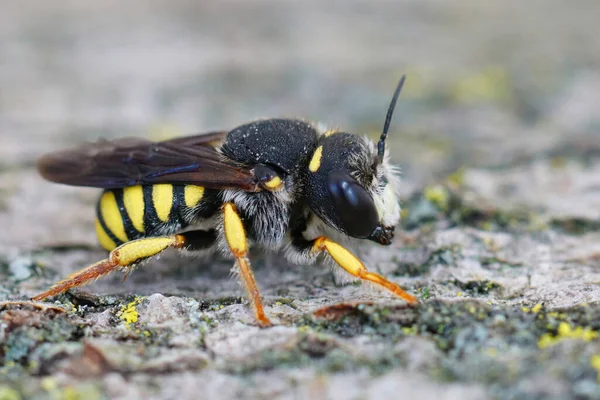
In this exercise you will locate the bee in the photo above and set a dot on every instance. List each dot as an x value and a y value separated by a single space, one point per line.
282 184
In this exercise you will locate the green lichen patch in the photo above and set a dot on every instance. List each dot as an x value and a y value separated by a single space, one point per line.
352 319
446 322
576 226
498 261
23 330
308 348
446 203
219 303
483 343
442 256
477 288
86 298
326 352
22 268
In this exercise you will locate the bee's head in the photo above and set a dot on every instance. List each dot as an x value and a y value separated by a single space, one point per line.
351 185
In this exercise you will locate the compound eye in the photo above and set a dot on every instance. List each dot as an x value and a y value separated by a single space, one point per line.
354 205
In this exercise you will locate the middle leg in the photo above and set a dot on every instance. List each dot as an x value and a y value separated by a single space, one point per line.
238 244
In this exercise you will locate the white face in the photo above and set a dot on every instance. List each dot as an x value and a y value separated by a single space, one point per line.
387 206
385 194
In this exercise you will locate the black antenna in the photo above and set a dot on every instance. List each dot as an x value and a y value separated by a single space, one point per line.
388 119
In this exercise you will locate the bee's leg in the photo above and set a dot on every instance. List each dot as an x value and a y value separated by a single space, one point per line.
124 257
354 266
238 244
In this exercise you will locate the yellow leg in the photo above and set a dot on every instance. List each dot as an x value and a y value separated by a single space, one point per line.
238 244
123 257
354 266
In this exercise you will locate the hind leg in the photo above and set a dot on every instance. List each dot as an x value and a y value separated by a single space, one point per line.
128 255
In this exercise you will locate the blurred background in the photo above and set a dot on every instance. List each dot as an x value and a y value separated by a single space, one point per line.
489 85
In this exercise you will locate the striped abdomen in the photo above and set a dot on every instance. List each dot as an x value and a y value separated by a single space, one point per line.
144 211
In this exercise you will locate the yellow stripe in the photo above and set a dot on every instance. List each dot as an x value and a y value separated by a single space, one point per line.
315 162
162 198
105 241
112 216
234 231
330 132
133 199
193 195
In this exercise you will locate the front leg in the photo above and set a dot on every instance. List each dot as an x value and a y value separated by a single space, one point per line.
345 259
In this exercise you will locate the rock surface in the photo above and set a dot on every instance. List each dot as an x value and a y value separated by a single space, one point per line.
498 135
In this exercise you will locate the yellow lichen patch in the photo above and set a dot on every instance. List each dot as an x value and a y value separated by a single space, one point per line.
492 352
537 223
438 195
315 161
595 363
535 309
566 332
128 313
8 393
70 393
49 384
457 178
410 330
487 226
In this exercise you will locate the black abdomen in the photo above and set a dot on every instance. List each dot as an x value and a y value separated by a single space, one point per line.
145 211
